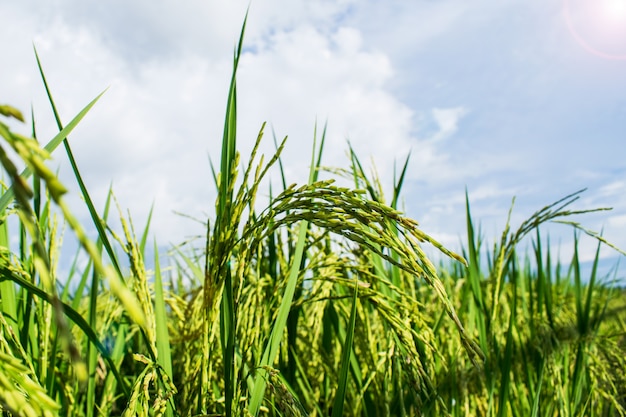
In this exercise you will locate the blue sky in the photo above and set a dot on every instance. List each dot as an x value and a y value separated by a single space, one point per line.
515 98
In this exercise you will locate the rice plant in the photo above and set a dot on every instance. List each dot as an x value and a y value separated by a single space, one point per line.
321 303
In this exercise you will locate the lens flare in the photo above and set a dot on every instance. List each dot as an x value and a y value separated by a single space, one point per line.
598 26
614 9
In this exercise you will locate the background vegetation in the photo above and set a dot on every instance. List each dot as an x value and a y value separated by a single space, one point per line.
322 303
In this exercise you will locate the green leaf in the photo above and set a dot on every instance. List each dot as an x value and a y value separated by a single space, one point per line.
9 194
340 396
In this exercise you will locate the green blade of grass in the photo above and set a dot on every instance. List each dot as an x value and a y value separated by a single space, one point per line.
294 313
81 184
219 258
74 316
146 229
537 394
229 140
227 333
506 362
7 288
92 357
271 349
280 163
473 271
36 179
109 390
340 396
164 355
398 184
116 278
9 194
273 343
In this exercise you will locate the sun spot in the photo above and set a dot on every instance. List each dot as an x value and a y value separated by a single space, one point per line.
598 26
614 9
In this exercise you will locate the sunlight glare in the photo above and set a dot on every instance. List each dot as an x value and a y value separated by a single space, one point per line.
598 26
615 10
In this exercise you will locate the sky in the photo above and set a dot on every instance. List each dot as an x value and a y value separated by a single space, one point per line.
505 99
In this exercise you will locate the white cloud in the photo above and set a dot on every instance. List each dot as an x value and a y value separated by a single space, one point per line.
302 75
447 120
613 188
617 222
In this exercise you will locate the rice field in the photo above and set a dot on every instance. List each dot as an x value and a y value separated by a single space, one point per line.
322 303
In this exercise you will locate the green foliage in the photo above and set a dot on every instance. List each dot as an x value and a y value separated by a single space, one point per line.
322 303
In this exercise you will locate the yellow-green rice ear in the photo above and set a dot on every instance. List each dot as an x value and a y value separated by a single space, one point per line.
10 111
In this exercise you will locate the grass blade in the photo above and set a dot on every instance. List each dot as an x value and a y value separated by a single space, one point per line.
9 194
74 316
273 343
345 360
83 189
164 355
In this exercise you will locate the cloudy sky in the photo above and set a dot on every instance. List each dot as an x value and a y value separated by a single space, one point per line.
514 98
